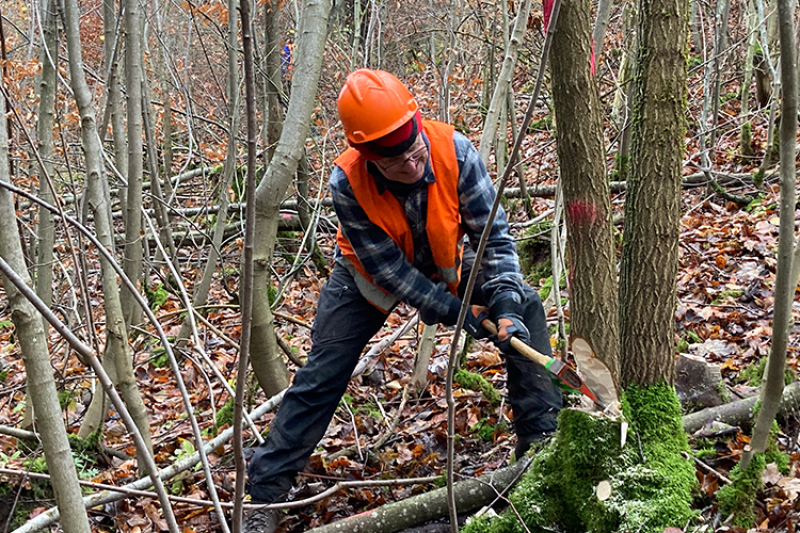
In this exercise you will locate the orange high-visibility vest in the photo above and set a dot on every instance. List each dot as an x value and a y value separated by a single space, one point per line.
443 223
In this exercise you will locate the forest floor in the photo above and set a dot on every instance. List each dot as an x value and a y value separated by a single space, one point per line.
727 271
724 312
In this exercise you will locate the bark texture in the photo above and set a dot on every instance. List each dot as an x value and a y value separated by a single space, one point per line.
652 207
44 133
587 200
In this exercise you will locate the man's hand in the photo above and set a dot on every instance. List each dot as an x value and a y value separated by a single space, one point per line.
507 311
508 327
473 323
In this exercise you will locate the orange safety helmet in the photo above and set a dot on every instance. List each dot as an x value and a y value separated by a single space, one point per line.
372 104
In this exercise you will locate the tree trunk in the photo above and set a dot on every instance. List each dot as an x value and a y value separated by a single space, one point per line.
502 84
159 202
587 198
273 74
166 98
33 348
745 130
600 25
266 357
785 283
112 34
133 220
44 134
652 207
117 349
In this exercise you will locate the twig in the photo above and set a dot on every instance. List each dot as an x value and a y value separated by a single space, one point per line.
341 485
355 431
501 494
707 467
292 319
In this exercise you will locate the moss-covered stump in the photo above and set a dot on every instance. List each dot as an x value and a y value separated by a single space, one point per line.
651 483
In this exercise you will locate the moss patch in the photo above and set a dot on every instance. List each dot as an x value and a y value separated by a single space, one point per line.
534 252
477 383
753 374
738 497
651 482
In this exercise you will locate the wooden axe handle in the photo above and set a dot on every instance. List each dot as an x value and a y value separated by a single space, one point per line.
518 345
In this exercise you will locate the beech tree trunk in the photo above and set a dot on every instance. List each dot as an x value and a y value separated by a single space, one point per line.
587 197
272 74
112 34
134 252
502 85
44 134
266 356
117 352
33 347
652 207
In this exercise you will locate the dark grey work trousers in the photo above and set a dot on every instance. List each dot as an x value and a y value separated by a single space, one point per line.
345 322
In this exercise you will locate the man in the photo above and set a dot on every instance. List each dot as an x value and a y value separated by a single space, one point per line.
406 193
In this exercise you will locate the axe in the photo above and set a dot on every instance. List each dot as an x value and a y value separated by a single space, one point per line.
562 374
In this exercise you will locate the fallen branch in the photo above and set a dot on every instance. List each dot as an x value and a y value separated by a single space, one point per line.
470 494
740 412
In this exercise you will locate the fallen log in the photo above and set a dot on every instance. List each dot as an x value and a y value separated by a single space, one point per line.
471 494
740 412
426 507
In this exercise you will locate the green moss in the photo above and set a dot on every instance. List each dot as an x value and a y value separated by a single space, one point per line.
724 295
758 178
156 296
705 454
621 168
753 374
478 383
65 399
224 415
543 124
487 431
774 454
534 252
738 497
651 482
159 358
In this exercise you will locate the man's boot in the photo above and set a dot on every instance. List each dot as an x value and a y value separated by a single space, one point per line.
261 521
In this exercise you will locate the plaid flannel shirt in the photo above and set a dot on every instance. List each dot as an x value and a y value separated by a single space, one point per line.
385 261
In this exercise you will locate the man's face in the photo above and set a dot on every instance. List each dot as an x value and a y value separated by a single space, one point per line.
407 167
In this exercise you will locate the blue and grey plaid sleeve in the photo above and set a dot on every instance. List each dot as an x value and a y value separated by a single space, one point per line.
476 195
384 260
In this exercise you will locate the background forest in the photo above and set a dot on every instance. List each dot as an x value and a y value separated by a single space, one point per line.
128 142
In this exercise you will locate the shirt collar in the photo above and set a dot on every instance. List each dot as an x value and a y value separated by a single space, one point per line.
382 181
